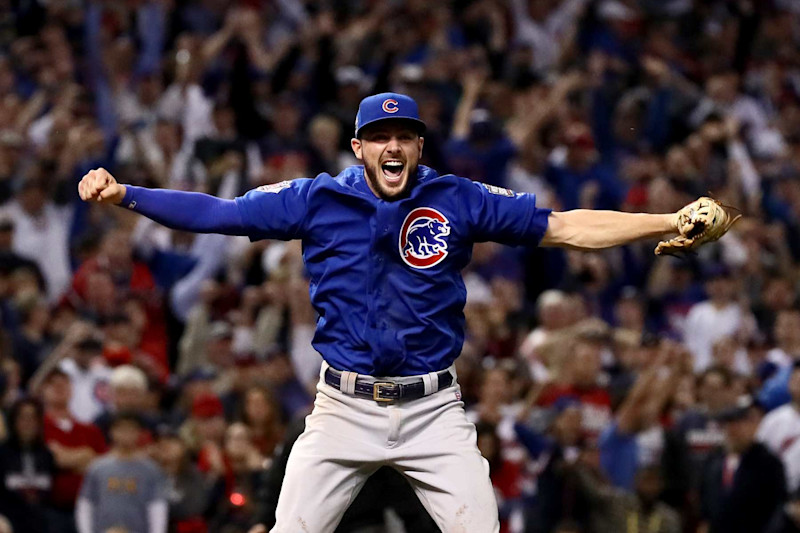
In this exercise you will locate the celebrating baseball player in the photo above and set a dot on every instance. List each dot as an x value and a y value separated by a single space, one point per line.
384 245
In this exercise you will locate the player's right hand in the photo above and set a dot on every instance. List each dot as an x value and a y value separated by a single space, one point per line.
100 186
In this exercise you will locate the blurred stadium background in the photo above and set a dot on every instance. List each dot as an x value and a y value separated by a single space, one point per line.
612 392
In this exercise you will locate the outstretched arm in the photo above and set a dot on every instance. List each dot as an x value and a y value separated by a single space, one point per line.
586 229
187 211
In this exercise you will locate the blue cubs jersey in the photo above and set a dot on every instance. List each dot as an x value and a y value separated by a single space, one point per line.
385 276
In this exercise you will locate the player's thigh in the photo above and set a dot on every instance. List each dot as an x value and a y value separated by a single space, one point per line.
316 492
458 494
326 469
450 476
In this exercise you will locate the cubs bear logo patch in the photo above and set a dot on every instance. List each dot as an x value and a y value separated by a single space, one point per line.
423 238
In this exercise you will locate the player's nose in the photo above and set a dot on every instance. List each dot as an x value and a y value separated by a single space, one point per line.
393 145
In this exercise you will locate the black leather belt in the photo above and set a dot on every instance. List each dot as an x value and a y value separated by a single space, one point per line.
387 391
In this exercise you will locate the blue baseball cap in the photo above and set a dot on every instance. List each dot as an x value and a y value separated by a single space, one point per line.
385 106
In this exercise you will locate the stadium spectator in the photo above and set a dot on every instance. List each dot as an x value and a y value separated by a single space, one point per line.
237 485
742 484
786 333
635 439
204 431
187 491
26 469
128 393
617 510
90 378
262 416
506 476
719 316
779 431
696 434
582 380
79 356
553 314
122 489
74 446
30 341
497 407
128 288
41 231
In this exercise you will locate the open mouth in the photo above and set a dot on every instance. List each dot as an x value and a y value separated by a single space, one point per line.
392 171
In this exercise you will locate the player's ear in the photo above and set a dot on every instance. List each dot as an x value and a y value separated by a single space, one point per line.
355 144
421 143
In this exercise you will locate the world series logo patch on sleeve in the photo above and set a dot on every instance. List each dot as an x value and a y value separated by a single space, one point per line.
500 191
275 187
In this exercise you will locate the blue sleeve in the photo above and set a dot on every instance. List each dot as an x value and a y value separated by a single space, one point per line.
500 215
618 456
186 211
775 391
276 211
268 212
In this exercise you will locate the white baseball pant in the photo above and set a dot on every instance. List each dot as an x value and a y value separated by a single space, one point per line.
346 439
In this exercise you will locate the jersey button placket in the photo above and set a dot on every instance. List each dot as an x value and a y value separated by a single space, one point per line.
371 320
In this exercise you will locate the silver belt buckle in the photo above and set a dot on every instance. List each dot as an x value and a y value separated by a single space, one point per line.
376 390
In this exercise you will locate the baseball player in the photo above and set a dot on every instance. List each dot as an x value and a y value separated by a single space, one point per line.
384 245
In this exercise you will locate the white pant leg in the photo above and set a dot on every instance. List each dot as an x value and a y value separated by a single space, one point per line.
346 439
438 454
329 463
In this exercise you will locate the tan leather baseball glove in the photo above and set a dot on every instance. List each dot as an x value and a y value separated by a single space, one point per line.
704 220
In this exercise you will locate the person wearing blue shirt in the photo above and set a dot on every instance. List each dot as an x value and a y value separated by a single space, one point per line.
775 391
384 244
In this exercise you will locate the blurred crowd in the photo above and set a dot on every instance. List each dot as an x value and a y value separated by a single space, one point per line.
152 379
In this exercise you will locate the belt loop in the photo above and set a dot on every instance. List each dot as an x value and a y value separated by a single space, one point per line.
348 382
427 382
434 382
322 369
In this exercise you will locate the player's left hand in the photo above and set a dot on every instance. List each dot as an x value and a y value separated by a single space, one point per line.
99 185
260 528
704 220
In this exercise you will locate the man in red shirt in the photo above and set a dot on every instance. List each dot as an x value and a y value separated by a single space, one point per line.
121 284
582 381
73 444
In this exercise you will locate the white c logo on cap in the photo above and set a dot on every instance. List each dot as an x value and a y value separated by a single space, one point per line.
390 105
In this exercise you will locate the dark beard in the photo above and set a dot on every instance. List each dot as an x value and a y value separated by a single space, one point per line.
371 175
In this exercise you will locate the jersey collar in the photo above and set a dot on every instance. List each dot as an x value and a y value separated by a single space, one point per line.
354 178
